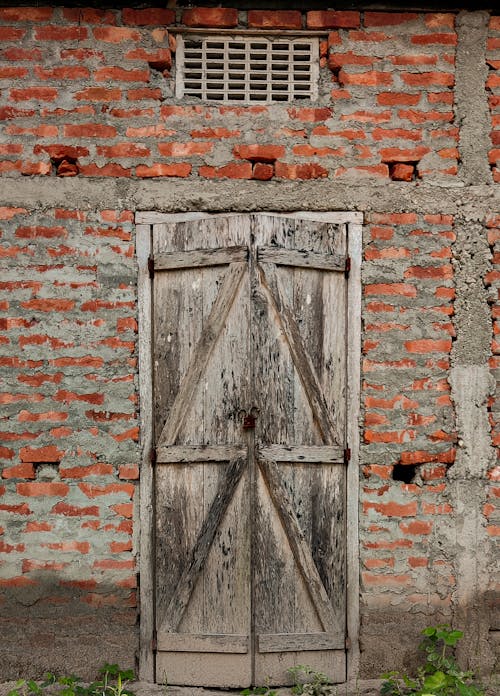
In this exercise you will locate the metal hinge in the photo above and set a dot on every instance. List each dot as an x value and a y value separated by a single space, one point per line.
154 642
151 266
347 455
347 268
152 456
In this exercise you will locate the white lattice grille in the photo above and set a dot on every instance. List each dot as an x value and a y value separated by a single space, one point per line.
248 69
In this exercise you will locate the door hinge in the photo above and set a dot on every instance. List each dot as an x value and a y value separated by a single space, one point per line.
152 456
347 268
347 643
347 455
154 642
151 266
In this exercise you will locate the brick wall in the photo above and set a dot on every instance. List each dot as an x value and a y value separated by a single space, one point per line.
99 85
88 117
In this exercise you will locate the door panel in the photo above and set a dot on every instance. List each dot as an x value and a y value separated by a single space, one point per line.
250 391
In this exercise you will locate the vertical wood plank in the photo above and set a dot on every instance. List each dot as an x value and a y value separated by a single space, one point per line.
355 240
146 492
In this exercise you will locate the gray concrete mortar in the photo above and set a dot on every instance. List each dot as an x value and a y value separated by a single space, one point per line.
471 99
472 202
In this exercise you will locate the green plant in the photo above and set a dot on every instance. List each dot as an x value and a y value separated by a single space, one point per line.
111 682
308 681
258 691
440 675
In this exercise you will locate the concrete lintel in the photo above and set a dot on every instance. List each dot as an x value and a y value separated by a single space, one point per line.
174 195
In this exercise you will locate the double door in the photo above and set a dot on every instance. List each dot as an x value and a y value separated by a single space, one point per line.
249 357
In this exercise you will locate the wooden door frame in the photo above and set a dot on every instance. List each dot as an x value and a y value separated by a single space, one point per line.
144 236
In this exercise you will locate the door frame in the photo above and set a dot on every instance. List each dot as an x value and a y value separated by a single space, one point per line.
144 514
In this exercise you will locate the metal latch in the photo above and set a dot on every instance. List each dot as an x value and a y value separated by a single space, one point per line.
249 418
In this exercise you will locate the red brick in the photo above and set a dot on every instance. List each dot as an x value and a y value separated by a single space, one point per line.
64 72
178 170
274 19
427 79
74 511
79 472
42 489
416 528
392 509
49 453
112 170
191 149
386 19
449 39
149 17
116 34
104 94
35 93
423 457
259 153
300 171
326 19
423 116
117 74
94 491
338 60
11 34
33 527
391 289
396 154
444 272
26 14
89 130
220 17
49 305
371 78
24 471
440 19
12 73
60 33
233 170
428 345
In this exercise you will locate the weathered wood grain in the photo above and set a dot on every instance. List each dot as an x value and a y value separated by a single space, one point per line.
302 453
202 546
301 259
184 454
210 333
198 642
300 356
293 642
301 551
199 258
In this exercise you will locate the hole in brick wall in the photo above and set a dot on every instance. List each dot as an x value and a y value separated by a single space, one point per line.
163 67
46 471
404 472
67 166
403 171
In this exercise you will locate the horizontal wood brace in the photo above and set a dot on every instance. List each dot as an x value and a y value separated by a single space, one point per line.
199 258
304 33
302 259
185 454
206 643
291 642
321 454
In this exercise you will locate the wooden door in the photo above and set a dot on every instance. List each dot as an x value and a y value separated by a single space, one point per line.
250 389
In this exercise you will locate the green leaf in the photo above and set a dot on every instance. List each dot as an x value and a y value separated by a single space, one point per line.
435 681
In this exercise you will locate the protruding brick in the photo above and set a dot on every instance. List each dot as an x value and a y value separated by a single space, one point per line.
219 17
274 19
332 19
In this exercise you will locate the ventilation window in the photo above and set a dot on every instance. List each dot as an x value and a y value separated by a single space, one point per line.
247 69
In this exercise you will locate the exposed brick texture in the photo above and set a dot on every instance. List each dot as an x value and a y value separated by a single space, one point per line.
103 78
90 93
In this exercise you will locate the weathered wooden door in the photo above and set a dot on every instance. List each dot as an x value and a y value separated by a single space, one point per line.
250 419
